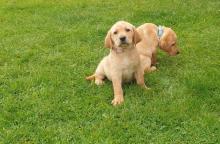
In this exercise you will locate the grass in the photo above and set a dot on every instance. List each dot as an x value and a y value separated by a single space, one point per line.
48 47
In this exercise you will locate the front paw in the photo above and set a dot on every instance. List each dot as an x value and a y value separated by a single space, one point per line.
145 87
117 100
153 68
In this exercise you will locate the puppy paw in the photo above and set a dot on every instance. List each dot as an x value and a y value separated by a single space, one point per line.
99 82
152 68
145 87
117 100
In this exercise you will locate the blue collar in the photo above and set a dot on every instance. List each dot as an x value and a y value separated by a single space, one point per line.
160 31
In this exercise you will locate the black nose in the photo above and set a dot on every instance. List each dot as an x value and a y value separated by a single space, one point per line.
122 38
177 52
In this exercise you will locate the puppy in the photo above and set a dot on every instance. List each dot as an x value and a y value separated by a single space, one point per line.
123 62
152 37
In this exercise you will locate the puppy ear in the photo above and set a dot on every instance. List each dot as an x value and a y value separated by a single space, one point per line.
164 40
108 40
163 44
136 37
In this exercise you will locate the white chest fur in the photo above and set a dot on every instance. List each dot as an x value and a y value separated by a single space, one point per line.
124 64
128 69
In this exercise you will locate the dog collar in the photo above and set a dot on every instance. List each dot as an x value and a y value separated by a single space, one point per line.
160 31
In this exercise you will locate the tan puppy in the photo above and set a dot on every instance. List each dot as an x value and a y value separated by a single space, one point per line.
152 37
123 62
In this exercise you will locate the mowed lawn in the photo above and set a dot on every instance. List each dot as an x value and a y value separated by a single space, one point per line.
47 48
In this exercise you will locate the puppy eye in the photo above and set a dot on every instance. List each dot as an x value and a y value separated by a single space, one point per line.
127 30
115 32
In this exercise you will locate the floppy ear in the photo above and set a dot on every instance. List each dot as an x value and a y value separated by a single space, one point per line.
136 37
164 41
163 44
108 40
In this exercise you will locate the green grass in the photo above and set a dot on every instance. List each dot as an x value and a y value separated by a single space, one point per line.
48 47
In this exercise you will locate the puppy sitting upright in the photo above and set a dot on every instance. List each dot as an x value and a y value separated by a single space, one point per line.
152 37
123 62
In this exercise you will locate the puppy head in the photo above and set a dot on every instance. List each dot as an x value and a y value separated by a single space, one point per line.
122 34
168 42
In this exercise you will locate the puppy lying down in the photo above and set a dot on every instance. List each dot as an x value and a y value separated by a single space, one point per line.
153 36
123 62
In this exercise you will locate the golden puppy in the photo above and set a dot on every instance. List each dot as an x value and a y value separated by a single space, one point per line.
152 37
123 62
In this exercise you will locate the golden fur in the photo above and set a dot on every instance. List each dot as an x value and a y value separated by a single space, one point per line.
147 47
123 62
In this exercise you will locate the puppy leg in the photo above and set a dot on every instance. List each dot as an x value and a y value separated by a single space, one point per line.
139 76
154 59
99 75
152 68
118 92
146 64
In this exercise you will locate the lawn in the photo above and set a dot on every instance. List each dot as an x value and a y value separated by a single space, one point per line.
47 48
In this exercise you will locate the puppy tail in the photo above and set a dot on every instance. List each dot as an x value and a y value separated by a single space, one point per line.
92 77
